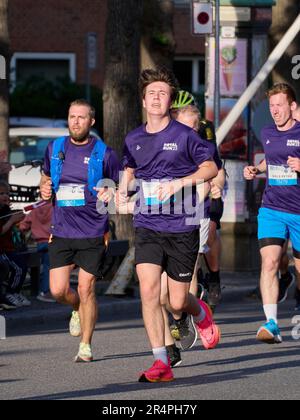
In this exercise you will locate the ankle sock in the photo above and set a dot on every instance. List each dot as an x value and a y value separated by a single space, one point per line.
160 353
271 312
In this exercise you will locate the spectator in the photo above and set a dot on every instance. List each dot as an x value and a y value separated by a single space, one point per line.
39 222
9 237
4 168
4 276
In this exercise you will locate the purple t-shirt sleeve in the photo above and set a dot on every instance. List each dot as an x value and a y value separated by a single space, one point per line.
111 165
127 159
198 149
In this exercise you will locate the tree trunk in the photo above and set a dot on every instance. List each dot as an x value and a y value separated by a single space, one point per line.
121 99
158 44
4 84
284 15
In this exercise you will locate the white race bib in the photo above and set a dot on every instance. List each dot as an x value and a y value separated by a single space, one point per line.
150 193
70 195
282 176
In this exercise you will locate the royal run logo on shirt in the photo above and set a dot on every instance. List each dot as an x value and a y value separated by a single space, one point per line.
293 143
172 147
86 160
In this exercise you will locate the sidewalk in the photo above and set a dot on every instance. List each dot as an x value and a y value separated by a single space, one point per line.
235 287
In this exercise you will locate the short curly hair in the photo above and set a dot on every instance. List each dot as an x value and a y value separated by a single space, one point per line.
283 88
159 74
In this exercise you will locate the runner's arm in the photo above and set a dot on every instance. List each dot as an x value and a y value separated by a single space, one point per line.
125 206
250 172
220 179
206 171
262 167
46 187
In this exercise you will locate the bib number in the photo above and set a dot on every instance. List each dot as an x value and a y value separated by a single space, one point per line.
282 176
70 195
150 194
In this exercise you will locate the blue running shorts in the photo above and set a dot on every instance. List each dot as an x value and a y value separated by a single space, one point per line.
275 227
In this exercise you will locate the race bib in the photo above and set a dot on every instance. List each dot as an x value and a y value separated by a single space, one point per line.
150 194
282 176
70 195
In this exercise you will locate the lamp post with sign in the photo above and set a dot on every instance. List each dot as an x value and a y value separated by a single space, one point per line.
203 25
91 61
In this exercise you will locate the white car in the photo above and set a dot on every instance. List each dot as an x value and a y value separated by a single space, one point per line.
29 144
15 122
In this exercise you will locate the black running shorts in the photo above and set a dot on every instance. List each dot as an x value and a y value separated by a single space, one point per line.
87 254
216 211
176 253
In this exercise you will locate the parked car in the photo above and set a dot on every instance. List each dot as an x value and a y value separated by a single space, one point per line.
36 122
29 144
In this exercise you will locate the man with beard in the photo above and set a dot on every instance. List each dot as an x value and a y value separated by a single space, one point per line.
73 170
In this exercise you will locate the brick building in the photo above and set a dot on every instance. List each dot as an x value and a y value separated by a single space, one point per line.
50 36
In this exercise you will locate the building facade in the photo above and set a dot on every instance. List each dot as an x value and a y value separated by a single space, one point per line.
49 38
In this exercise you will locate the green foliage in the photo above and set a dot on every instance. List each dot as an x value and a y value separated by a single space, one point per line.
39 97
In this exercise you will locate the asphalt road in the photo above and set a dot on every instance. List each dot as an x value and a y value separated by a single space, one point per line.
36 363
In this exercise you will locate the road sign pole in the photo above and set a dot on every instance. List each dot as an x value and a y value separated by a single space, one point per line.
217 66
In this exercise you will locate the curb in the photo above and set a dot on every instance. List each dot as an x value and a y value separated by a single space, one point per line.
236 288
27 317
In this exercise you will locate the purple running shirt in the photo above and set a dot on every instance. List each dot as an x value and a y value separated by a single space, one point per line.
282 191
82 221
173 153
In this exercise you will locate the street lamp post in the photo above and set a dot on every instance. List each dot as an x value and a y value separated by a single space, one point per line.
217 66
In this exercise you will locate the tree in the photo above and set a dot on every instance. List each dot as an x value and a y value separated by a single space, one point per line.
121 99
158 44
284 15
4 89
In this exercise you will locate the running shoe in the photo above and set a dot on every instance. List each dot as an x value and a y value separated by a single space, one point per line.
214 294
74 326
297 297
11 298
285 283
45 297
7 304
209 332
85 354
269 333
22 299
174 331
159 372
187 332
174 355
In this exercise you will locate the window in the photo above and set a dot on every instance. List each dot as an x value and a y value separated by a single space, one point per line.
46 65
190 72
182 3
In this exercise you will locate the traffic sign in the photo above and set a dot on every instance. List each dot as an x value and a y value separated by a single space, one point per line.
202 18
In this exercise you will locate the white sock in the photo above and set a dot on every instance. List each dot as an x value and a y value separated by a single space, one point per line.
201 316
271 312
160 353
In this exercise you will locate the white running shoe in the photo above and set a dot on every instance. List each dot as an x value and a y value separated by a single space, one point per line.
74 326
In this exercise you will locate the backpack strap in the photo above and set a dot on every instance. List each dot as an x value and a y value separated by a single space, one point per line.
57 160
95 170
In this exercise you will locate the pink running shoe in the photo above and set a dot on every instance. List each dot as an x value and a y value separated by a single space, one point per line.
159 372
209 332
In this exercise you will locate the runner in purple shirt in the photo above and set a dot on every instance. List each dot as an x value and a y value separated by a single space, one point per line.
279 216
78 224
164 157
